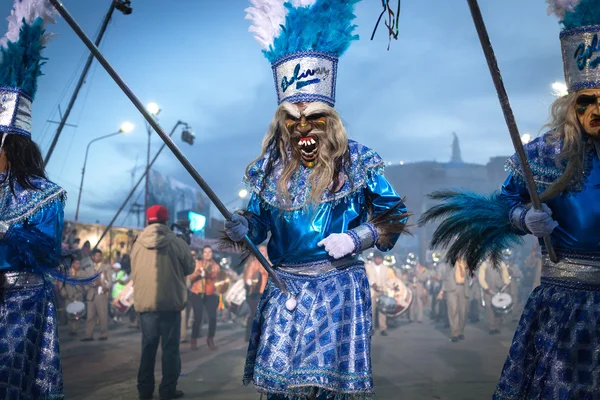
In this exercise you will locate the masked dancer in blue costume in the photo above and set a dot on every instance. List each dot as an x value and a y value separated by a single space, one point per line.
555 352
31 220
323 199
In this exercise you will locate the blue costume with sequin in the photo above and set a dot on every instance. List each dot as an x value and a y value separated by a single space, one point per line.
32 222
556 349
325 342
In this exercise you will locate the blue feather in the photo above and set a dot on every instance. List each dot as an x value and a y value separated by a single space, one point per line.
474 227
21 61
324 27
586 13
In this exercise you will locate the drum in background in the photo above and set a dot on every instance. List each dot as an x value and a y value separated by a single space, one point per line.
124 301
76 310
398 293
236 296
502 303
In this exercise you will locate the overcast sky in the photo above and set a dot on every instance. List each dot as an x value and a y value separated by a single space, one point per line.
196 59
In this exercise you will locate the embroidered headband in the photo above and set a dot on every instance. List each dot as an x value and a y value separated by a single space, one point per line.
303 40
579 41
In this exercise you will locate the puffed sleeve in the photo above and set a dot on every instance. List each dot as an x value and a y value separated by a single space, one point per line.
258 220
36 242
515 194
388 217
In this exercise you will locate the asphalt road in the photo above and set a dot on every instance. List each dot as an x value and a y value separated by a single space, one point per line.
415 362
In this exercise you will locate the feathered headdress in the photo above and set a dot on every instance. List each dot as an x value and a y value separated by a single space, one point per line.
579 40
303 40
20 62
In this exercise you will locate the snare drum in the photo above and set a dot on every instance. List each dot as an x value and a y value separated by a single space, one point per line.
124 301
502 303
76 310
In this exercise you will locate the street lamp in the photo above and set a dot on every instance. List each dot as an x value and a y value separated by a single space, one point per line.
126 127
242 194
153 109
526 138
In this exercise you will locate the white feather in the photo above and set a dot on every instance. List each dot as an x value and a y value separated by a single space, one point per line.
267 16
560 7
29 10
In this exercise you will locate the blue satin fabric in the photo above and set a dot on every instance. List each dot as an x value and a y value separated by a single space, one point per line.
577 212
295 234
45 229
324 343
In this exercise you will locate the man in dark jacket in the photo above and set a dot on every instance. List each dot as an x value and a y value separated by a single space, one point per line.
160 261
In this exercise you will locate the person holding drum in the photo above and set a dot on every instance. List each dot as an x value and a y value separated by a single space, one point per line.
74 296
493 281
380 278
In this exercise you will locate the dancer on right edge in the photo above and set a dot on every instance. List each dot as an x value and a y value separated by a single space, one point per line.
555 352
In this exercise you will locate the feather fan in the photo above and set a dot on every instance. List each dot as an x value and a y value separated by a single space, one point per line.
474 227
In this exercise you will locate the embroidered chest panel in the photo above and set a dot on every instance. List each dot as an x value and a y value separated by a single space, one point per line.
364 164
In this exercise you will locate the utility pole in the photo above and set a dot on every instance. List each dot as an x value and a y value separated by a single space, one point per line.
125 7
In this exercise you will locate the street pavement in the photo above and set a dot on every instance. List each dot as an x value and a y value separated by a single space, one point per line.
414 362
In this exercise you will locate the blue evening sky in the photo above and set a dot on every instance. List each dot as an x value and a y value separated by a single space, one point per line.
196 59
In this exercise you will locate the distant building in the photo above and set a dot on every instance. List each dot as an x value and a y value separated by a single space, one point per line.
416 180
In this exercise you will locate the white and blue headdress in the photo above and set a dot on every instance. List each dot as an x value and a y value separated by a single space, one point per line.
580 41
303 40
20 62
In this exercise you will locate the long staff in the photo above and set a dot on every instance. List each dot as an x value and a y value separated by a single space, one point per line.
170 144
488 50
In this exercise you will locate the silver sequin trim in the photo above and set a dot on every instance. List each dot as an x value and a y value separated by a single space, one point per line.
15 111
367 240
319 267
572 269
581 72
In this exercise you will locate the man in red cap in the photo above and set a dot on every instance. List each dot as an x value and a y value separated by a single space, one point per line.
160 261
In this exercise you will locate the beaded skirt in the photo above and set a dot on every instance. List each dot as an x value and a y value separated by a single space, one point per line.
322 347
30 367
555 353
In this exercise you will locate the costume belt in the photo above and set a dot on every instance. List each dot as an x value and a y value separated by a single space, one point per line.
19 280
572 270
314 268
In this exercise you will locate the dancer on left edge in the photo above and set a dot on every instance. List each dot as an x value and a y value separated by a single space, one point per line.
31 220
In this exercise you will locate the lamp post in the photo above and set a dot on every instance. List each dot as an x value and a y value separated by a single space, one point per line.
126 127
242 194
154 110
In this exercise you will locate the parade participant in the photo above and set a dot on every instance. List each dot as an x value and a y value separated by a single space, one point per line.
492 280
31 220
380 278
255 280
454 289
324 199
75 293
554 353
97 297
204 296
419 278
160 262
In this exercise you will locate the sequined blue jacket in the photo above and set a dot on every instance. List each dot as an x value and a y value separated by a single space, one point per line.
577 211
32 222
296 229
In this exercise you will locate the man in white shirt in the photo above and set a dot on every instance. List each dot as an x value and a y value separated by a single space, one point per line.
379 277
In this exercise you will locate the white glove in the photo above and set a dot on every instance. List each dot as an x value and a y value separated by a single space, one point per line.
338 245
540 223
